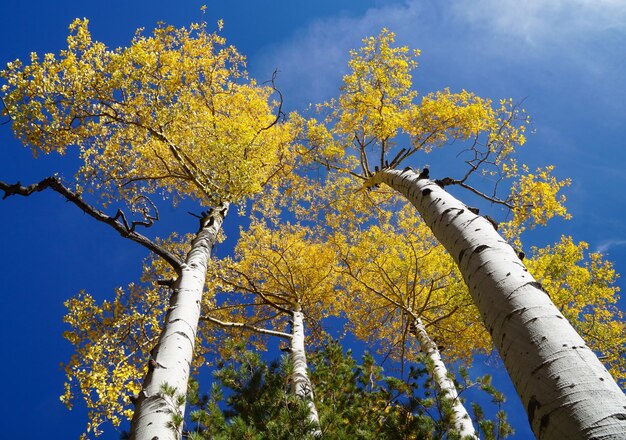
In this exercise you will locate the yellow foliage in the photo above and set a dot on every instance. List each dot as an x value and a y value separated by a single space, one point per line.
377 91
276 271
112 341
444 116
173 112
535 197
391 271
287 266
378 112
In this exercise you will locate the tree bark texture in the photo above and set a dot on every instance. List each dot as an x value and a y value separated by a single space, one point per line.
300 383
461 419
171 358
565 389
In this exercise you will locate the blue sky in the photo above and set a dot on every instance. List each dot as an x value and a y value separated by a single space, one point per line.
565 59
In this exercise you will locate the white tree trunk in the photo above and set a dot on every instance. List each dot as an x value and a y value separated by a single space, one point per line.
300 383
170 363
461 419
565 389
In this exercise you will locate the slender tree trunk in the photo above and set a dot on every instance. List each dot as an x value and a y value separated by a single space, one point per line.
300 383
160 406
565 389
461 419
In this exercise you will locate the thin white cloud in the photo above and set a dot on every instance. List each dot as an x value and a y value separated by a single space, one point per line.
313 61
605 246
575 44
540 21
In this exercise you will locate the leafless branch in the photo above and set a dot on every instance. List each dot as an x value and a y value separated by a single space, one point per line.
122 227
244 326
279 112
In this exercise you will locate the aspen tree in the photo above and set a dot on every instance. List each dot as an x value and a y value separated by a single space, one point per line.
172 114
397 280
566 391
291 275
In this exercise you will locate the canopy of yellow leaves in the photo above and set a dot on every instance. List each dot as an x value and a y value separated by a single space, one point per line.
173 111
286 267
378 112
377 91
396 270
112 341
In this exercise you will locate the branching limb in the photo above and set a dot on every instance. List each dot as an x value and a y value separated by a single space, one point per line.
396 160
252 288
447 181
122 227
145 211
279 112
244 326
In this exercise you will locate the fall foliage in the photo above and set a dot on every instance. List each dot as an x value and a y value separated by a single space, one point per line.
324 245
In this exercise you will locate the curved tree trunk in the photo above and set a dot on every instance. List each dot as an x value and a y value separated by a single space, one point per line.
160 406
565 389
300 383
461 419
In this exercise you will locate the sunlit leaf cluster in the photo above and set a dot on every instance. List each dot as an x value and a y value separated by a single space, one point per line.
111 341
173 111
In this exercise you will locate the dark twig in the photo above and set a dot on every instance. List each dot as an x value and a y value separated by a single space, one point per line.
145 212
279 112
395 161
6 109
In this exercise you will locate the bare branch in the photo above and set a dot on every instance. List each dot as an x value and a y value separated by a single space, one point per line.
279 112
123 228
6 109
244 326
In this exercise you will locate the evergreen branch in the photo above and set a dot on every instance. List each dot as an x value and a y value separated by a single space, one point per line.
123 228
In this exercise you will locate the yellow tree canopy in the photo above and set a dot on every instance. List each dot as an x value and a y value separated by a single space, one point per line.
283 270
395 271
173 111
379 121
112 340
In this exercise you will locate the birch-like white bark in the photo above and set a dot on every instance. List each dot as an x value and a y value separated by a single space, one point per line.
172 355
300 383
461 419
565 389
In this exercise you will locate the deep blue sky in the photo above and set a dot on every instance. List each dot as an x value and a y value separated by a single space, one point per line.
565 59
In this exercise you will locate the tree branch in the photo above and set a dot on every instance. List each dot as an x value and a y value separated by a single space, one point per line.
245 326
125 231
